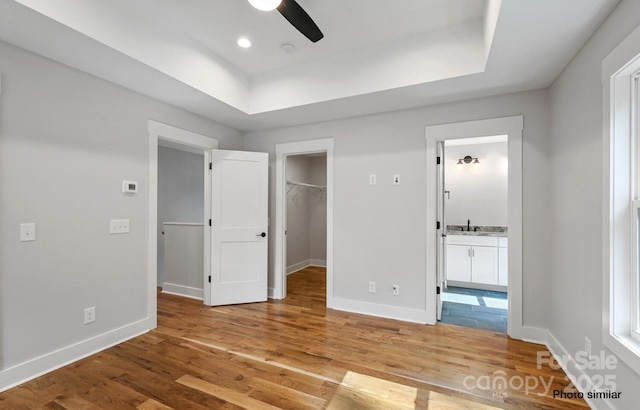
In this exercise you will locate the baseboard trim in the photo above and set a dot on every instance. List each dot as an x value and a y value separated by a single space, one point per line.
575 375
298 266
180 290
385 311
320 263
531 334
29 370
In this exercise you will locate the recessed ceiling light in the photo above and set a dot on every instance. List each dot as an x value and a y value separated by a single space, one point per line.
265 5
287 48
244 42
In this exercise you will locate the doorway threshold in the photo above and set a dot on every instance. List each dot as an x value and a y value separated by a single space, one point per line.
475 308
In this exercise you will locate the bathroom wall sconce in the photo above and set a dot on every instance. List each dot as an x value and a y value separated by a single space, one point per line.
468 160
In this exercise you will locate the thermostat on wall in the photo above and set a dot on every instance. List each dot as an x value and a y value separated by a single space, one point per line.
129 187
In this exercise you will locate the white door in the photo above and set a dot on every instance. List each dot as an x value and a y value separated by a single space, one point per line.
239 227
441 232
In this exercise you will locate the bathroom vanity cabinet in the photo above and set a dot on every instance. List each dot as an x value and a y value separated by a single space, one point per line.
477 259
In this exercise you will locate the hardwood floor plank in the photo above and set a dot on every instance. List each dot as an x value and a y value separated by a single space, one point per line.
438 401
75 403
153 405
225 394
288 397
294 354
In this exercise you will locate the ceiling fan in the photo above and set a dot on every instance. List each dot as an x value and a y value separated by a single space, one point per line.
295 14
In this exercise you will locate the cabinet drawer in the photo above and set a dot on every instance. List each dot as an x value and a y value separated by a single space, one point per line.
503 242
472 240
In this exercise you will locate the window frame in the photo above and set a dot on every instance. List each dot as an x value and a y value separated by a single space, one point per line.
621 201
634 325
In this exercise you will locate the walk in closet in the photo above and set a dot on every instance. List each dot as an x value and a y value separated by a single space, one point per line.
306 211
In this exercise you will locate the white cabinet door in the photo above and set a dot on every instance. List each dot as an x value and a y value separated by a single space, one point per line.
484 265
239 227
458 263
503 267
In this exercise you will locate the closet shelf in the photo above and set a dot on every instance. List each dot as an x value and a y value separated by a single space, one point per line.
310 186
304 186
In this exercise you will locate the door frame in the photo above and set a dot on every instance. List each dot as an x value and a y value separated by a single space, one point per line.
441 234
511 126
279 290
187 141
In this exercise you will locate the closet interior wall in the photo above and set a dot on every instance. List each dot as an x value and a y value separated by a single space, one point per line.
306 212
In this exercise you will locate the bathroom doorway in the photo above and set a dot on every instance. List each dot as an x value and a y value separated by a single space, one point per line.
474 254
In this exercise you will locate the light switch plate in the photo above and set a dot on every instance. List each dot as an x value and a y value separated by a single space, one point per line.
372 287
27 232
117 226
89 315
372 179
396 179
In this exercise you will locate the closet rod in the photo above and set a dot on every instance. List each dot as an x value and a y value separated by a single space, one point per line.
302 184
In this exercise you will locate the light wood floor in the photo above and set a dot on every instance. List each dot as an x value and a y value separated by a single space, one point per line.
295 354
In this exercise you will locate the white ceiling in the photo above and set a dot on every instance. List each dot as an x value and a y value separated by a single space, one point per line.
377 55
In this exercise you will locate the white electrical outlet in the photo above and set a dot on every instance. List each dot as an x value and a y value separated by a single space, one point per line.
90 315
587 346
372 179
396 179
396 290
27 232
119 226
372 287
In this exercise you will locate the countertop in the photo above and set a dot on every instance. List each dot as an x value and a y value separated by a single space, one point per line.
497 231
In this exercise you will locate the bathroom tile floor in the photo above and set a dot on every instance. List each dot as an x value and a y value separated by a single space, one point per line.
478 309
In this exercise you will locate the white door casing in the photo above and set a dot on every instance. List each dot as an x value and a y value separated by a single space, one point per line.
189 141
239 227
284 150
441 233
511 126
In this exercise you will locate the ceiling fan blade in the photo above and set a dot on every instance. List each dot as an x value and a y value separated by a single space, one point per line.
299 18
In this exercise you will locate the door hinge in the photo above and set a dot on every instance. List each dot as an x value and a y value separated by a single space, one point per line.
438 161
437 287
209 222
210 280
210 165
438 225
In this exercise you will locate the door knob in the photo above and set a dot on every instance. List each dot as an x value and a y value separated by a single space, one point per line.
262 234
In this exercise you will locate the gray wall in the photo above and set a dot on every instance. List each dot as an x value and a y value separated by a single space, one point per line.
180 193
297 212
478 195
575 287
318 211
67 140
380 232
